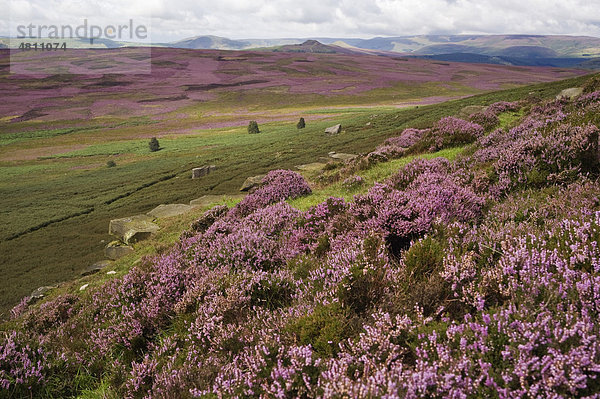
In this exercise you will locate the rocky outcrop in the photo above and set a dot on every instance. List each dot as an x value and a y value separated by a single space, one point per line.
133 229
40 292
202 171
251 182
341 156
334 129
570 93
96 267
314 166
115 250
169 210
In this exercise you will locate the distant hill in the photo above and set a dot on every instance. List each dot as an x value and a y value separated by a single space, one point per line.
314 46
520 46
531 50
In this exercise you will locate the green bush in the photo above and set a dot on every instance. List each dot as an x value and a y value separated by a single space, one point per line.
154 145
423 257
111 164
323 329
253 127
301 124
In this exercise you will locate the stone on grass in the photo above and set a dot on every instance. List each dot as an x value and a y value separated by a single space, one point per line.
134 228
341 156
251 182
169 210
570 93
116 250
202 171
96 267
334 129
314 166
40 292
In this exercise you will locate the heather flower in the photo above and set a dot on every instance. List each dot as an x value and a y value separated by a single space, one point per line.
276 186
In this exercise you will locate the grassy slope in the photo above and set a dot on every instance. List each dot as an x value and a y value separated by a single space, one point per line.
141 181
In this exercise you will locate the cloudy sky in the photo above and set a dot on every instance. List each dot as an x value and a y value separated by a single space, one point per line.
177 19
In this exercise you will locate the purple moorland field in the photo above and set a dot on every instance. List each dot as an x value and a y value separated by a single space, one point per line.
476 277
89 84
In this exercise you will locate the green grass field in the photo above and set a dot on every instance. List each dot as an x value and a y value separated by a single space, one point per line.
56 206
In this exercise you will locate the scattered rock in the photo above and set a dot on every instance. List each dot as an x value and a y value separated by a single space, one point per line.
570 93
342 157
115 250
40 292
111 272
133 228
334 129
314 166
368 124
202 171
169 210
96 267
83 287
251 182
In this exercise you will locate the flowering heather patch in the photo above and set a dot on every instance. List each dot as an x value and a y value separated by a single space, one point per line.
353 182
447 132
487 119
276 186
395 147
503 106
22 367
472 278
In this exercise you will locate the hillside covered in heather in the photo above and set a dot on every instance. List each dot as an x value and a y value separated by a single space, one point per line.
471 270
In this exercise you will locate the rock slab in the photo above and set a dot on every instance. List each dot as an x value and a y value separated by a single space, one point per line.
341 156
251 182
202 171
169 210
133 229
115 250
96 267
334 129
570 93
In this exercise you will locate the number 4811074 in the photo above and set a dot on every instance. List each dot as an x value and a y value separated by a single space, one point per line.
43 46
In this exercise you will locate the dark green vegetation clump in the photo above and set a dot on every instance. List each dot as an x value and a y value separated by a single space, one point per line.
301 124
253 127
154 145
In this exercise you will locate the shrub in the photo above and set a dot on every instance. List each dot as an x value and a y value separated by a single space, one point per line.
111 164
424 257
253 127
487 119
301 124
154 145
323 329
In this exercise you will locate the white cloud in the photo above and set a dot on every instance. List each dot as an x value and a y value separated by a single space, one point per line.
175 19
